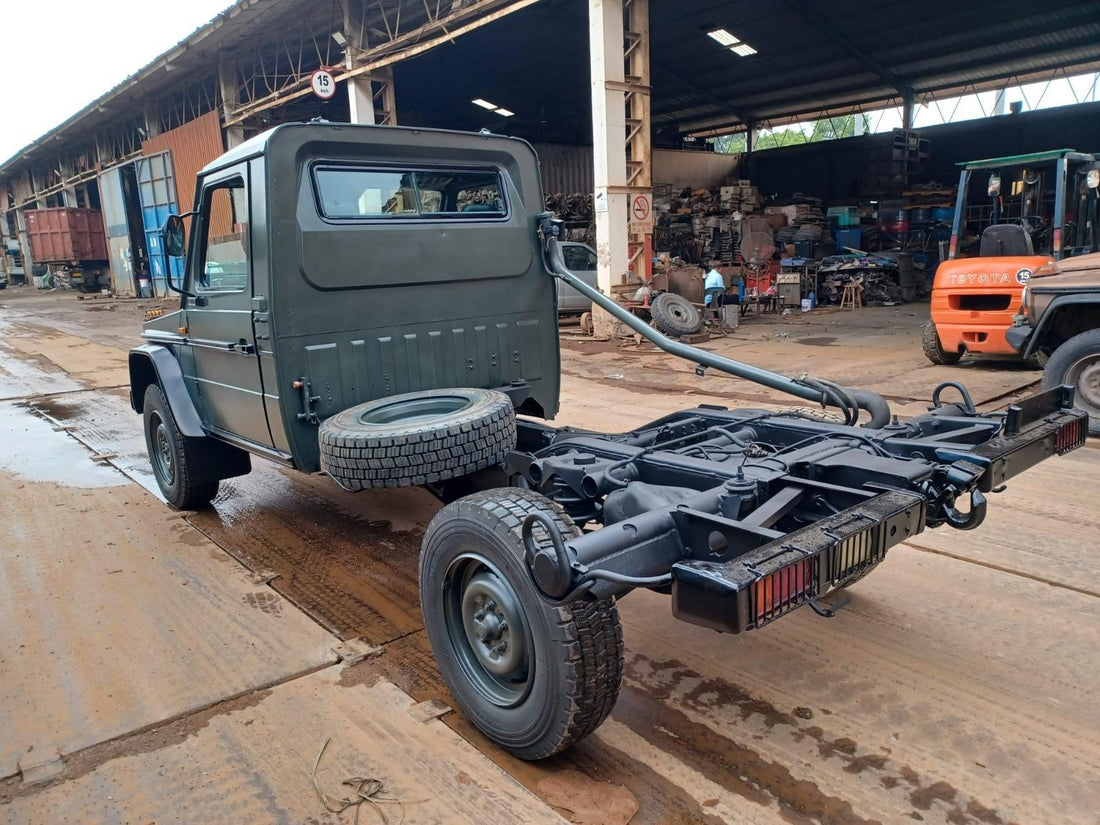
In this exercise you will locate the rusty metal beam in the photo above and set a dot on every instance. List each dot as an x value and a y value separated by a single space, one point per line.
393 48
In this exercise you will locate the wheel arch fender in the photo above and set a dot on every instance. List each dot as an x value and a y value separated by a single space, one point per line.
156 364
1051 315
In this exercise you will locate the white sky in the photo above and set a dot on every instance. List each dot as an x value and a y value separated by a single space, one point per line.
1060 91
57 56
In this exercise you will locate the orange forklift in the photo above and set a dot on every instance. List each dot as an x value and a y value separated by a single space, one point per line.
1030 220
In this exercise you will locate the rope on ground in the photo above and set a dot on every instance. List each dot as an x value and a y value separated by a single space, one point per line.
366 788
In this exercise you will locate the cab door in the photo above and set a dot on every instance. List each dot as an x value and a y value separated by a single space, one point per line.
225 371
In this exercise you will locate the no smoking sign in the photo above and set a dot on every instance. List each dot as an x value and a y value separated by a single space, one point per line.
641 213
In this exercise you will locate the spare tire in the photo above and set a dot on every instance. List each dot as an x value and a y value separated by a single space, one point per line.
417 438
674 315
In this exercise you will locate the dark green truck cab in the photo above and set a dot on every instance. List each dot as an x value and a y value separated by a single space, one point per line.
329 265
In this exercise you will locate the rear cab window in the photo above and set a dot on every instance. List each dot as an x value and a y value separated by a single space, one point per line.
364 193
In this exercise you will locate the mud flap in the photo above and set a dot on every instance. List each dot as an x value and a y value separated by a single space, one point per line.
209 458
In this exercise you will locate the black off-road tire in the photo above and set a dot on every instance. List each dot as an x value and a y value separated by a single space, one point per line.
674 315
172 455
1077 362
934 350
568 682
418 438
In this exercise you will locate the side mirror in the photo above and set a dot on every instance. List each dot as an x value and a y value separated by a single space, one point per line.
173 236
173 240
994 185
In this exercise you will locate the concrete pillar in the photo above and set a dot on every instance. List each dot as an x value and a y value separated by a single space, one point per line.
360 98
152 121
371 98
24 241
605 26
230 92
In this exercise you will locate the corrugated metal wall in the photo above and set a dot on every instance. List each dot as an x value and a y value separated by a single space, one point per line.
699 170
193 145
118 232
568 169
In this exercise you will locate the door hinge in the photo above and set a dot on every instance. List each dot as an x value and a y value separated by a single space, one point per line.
308 399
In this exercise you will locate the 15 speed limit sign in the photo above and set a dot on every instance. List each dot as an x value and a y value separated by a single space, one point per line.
323 84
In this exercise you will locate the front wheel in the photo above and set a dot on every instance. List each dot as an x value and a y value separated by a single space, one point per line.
172 456
533 678
934 350
1077 363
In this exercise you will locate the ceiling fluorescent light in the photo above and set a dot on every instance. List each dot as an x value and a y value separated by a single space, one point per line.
484 104
743 49
504 112
723 37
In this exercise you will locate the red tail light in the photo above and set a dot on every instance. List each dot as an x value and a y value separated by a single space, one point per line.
1071 435
786 587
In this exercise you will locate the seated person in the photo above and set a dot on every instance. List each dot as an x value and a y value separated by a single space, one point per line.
715 291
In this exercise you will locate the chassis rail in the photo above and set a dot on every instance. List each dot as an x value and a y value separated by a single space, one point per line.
745 515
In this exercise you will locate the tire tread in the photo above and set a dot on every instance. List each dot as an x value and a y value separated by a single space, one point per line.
590 638
471 441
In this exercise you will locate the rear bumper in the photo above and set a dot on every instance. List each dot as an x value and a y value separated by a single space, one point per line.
758 587
751 590
1036 428
974 336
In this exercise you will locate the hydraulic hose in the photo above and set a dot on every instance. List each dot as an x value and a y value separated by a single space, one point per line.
819 391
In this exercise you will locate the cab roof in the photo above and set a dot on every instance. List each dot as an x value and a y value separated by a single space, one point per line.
258 144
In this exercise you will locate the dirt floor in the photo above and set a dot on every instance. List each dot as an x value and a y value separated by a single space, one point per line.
188 667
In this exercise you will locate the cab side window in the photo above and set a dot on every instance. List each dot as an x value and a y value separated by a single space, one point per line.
578 259
225 260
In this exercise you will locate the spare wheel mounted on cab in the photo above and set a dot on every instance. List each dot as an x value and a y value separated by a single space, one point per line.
380 303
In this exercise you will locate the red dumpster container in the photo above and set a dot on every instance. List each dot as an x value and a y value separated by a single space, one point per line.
66 235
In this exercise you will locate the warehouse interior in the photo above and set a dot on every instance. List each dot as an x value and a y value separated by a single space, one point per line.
673 82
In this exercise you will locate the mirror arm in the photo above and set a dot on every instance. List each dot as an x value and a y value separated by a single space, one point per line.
179 289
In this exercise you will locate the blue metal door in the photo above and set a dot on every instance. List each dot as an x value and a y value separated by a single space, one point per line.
157 187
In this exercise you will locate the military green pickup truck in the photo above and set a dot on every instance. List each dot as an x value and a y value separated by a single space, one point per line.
380 304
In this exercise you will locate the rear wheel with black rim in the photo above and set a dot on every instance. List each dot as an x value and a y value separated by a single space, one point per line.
532 677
